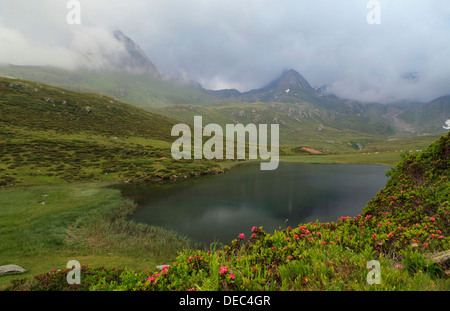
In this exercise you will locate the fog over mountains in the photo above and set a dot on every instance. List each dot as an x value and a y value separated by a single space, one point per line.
122 69
245 45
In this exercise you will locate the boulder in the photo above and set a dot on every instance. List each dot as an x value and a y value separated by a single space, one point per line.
11 269
442 259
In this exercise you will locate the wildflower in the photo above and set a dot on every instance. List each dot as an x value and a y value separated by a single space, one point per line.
151 279
433 219
390 235
242 236
232 275
191 289
254 229
441 237
399 266
223 270
319 233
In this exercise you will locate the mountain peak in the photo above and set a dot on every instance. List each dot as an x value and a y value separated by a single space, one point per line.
134 59
289 84
291 80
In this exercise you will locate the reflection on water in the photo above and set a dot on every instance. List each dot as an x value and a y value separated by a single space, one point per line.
221 207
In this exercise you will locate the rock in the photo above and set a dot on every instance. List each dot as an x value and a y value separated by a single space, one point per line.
441 258
11 269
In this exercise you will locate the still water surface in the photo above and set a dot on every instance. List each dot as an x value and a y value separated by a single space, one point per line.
222 206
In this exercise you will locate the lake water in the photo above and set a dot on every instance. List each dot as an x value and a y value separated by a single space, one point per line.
218 208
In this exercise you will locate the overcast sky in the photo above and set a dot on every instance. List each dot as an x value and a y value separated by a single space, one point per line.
247 43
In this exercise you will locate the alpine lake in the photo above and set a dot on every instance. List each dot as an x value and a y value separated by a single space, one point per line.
218 208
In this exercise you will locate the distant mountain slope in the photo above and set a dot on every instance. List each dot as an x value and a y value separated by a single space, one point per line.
301 124
405 118
429 117
289 84
141 90
291 87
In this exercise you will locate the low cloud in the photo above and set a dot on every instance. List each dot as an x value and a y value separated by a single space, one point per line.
246 44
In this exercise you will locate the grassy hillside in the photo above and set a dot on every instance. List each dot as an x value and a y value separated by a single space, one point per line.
139 90
429 117
51 133
324 123
306 125
399 230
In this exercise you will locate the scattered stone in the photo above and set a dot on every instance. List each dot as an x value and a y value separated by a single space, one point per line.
11 269
441 258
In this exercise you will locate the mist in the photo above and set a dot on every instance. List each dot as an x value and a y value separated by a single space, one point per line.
246 44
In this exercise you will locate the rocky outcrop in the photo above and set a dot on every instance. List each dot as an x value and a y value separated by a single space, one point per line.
442 259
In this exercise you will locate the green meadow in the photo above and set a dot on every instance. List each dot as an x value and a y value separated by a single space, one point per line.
62 151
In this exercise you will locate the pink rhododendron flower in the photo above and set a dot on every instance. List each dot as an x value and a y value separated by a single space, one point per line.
223 270
232 275
241 236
